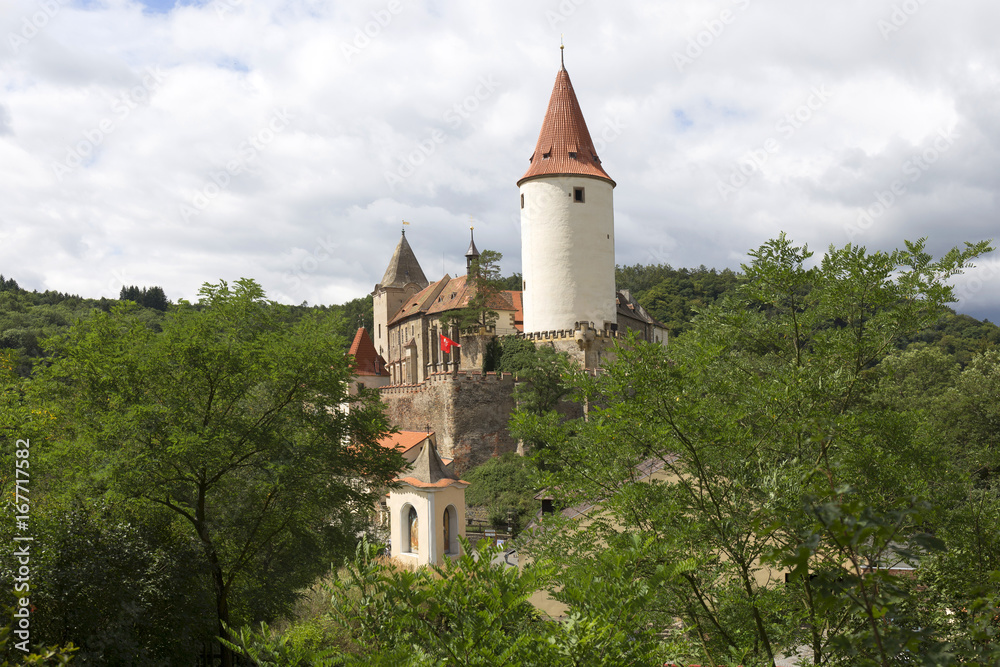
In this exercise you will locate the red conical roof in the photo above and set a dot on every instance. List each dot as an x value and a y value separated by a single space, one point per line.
564 145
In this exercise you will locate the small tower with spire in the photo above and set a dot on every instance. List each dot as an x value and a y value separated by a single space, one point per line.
472 254
402 279
567 223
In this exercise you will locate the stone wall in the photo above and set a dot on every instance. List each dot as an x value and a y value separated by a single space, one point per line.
467 411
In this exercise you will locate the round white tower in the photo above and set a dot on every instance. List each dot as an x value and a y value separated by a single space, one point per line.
567 224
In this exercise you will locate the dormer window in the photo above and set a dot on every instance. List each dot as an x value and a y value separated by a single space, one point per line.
572 154
546 156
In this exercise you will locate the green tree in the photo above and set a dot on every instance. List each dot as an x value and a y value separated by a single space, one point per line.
486 284
504 484
125 587
757 442
474 611
227 419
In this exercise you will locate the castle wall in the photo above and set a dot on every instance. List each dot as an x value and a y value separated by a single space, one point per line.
467 411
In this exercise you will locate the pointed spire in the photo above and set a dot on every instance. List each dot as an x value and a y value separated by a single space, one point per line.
472 253
403 267
564 145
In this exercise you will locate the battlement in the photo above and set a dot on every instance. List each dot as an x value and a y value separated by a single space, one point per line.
580 328
444 378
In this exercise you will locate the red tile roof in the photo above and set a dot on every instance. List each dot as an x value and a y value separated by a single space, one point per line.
367 361
518 302
449 294
440 484
564 145
404 440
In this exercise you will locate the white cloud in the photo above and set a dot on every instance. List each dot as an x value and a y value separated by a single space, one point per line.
384 87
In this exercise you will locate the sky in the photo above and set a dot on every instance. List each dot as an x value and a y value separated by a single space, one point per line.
177 143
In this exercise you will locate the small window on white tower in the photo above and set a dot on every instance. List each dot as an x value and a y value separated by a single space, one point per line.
578 195
522 201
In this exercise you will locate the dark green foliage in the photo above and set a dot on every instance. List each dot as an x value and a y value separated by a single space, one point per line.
484 278
513 282
151 297
221 420
672 296
471 612
504 484
492 354
354 314
958 335
516 354
765 419
124 588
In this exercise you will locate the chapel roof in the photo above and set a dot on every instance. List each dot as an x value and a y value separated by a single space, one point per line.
429 471
403 267
564 145
367 360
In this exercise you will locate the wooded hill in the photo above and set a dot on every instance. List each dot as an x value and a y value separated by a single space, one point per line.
29 317
672 296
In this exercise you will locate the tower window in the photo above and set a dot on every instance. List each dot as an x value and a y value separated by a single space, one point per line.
522 201
546 156
578 195
572 155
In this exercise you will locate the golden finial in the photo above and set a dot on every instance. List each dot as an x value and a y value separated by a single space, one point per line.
562 51
404 228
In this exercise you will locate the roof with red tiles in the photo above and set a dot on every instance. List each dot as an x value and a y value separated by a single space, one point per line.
518 303
447 294
367 360
440 484
403 441
564 145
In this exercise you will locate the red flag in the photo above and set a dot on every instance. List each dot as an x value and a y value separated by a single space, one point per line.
447 344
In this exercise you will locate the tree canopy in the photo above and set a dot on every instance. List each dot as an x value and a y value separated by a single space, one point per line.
235 422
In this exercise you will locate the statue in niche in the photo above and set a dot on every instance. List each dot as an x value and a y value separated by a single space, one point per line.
414 540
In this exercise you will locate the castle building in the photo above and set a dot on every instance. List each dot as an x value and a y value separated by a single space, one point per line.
411 316
569 300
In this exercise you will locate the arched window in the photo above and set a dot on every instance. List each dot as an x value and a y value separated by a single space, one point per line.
411 543
450 530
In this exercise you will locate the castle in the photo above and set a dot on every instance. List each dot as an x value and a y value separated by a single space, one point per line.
568 300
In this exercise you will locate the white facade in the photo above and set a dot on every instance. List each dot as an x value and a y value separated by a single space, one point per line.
437 536
567 252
